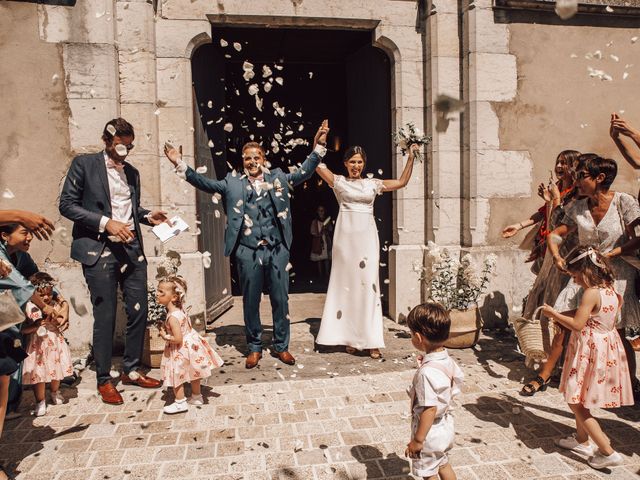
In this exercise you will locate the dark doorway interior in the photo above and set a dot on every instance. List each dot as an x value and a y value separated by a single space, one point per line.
314 74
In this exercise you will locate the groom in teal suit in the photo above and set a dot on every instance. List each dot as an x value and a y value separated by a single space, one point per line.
259 234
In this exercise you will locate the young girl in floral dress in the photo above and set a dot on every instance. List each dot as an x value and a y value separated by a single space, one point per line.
595 372
49 359
187 356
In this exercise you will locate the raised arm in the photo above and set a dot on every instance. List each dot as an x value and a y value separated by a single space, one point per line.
397 184
618 127
190 175
313 160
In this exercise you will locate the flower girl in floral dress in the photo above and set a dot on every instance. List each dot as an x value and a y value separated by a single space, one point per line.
187 356
49 359
595 372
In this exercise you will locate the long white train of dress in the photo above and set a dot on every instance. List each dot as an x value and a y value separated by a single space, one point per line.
352 311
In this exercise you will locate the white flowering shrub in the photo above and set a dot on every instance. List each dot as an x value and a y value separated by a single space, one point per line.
456 284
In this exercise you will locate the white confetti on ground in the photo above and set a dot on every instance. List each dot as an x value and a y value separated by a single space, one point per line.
54 79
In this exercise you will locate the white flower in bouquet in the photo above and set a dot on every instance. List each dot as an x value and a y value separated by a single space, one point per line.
408 135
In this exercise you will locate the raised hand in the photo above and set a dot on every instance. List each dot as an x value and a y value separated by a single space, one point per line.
40 226
414 149
321 135
173 154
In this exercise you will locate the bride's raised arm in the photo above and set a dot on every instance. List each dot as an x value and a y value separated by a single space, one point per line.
398 183
321 138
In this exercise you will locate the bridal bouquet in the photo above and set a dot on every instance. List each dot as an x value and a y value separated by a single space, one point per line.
408 135
455 283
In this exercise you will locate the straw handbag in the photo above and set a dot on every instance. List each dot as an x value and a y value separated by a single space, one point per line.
534 336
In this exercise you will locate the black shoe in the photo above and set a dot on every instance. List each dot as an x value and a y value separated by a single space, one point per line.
538 384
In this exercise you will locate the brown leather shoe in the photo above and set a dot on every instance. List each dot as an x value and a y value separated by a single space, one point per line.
286 357
109 394
141 380
252 359
635 344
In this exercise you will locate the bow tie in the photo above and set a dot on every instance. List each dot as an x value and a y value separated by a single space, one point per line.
118 166
259 178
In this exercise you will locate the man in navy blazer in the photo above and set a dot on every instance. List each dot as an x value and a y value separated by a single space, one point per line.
258 234
101 195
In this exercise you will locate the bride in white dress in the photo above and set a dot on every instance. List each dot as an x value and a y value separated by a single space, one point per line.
352 313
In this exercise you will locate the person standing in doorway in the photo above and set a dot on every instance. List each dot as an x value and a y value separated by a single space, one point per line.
258 234
321 233
101 195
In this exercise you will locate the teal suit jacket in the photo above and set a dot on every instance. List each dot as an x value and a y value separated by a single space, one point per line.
234 189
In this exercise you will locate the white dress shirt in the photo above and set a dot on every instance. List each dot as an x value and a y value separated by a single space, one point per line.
120 193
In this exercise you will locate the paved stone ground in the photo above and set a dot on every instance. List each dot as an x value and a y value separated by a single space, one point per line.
335 416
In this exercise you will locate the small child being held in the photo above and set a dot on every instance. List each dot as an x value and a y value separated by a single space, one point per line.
187 356
437 381
49 359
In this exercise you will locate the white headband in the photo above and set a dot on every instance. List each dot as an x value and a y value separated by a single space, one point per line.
591 253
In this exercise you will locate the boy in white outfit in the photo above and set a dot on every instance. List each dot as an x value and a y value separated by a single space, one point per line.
436 382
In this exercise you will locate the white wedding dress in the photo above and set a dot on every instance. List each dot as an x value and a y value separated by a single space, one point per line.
352 313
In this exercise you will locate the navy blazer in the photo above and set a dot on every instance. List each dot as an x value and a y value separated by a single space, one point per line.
85 198
234 189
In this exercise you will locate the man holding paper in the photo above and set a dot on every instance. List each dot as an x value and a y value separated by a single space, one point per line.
101 195
259 234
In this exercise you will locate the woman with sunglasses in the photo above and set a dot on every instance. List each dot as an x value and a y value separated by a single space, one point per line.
603 218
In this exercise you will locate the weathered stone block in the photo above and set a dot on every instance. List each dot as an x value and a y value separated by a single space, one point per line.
174 82
135 26
175 124
137 77
484 126
405 263
443 34
89 21
87 121
446 220
485 35
173 37
145 124
404 43
409 216
479 216
91 70
410 82
502 173
493 77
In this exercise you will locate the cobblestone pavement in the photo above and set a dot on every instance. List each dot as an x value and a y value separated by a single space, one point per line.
334 416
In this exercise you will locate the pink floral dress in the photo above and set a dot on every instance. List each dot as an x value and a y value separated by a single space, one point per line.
49 358
192 360
595 372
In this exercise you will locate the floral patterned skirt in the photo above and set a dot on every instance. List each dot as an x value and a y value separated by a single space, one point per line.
49 359
193 360
595 372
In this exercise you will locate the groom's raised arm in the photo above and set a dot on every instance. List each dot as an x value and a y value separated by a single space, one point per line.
190 175
313 160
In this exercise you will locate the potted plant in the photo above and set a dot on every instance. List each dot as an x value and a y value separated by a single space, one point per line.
457 285
153 344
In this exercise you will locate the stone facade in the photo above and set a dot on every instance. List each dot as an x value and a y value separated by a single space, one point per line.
104 58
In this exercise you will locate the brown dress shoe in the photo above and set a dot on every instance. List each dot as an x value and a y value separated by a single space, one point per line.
140 380
635 344
252 359
286 357
109 394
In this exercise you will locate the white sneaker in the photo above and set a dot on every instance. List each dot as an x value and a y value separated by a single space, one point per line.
41 409
179 406
195 400
600 461
57 398
570 443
